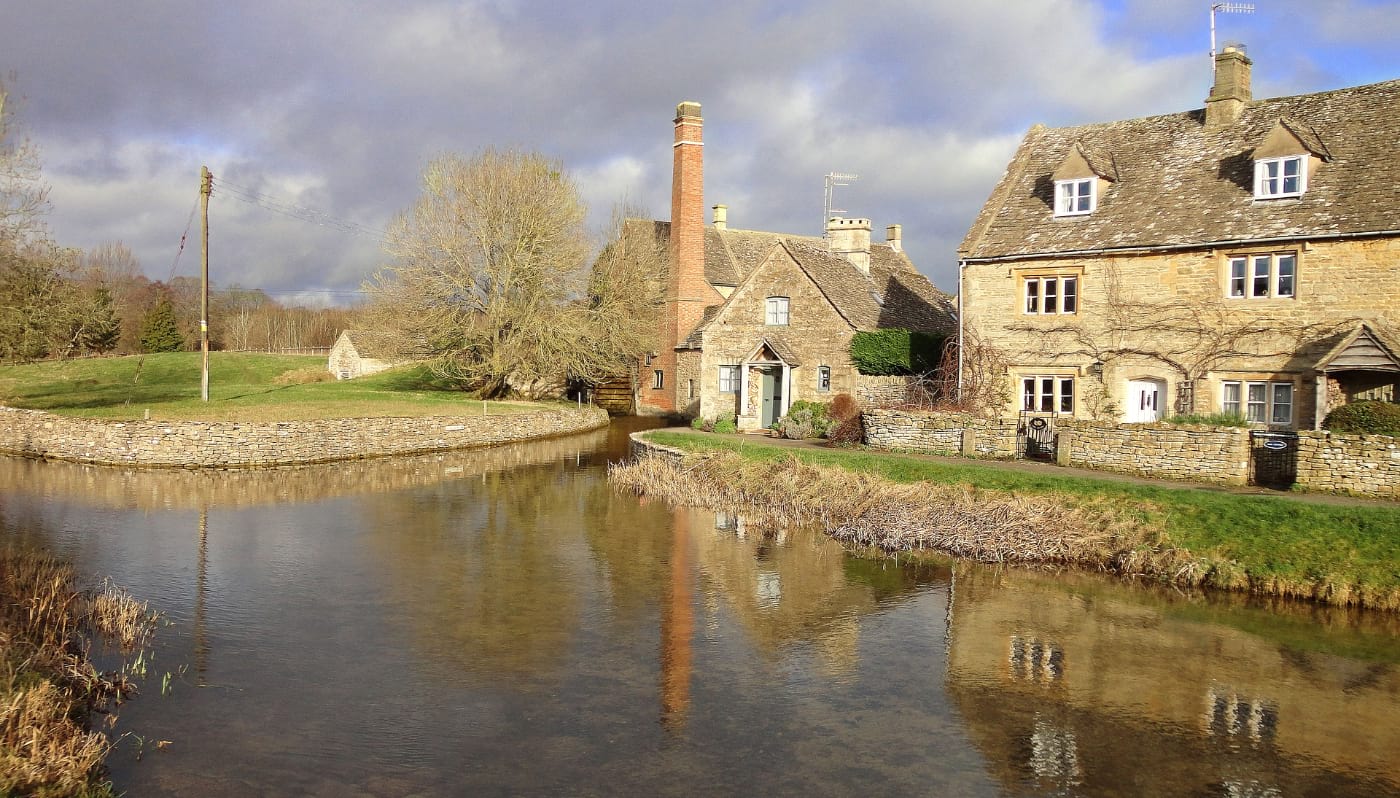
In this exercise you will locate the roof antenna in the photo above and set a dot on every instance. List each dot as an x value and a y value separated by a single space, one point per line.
1224 8
834 179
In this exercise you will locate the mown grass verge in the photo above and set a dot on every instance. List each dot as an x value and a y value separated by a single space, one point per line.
243 386
1342 555
50 692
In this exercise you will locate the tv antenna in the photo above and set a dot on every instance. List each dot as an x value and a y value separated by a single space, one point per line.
834 179
1224 8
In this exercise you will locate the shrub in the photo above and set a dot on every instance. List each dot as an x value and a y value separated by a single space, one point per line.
843 407
725 424
1210 419
892 352
1367 416
848 429
804 420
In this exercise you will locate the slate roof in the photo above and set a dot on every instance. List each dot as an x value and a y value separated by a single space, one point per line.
1178 184
384 346
894 295
1367 347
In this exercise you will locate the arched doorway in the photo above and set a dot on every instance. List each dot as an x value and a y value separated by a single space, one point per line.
1145 401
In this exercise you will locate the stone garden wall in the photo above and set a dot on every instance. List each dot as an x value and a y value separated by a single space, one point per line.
231 444
1360 465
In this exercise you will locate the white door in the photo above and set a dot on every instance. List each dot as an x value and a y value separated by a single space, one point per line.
1145 401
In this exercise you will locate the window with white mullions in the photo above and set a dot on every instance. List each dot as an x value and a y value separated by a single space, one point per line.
728 379
1280 177
1263 276
776 311
1047 394
1075 197
1258 402
1052 295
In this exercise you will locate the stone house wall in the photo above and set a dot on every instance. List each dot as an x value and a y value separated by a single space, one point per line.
1337 282
231 444
816 334
1360 465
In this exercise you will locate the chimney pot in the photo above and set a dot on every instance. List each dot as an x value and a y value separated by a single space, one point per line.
721 217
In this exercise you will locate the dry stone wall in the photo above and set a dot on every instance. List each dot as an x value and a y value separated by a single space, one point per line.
230 444
1360 465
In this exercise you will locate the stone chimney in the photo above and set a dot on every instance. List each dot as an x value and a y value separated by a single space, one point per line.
1231 90
894 236
850 238
687 290
721 217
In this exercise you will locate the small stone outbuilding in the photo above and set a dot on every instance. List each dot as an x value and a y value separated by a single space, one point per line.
357 353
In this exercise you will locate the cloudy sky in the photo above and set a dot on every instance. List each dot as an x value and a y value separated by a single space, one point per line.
329 109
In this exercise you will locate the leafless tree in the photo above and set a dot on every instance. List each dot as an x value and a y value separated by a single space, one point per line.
492 278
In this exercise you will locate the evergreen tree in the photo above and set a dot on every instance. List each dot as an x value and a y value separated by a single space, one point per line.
159 332
104 327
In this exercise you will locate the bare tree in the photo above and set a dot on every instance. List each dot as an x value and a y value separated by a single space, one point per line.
491 278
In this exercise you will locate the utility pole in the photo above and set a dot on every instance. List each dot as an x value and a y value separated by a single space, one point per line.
206 187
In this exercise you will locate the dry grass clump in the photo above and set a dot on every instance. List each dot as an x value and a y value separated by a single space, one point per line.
303 376
870 511
49 689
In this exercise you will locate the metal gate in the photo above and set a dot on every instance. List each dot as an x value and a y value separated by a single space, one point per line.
1273 459
1037 433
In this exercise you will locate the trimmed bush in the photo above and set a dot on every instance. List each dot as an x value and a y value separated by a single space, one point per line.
1210 419
725 424
1366 417
843 407
896 352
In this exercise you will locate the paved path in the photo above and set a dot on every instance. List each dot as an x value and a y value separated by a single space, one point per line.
1050 469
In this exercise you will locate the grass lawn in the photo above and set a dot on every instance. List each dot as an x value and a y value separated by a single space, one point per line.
1268 537
243 386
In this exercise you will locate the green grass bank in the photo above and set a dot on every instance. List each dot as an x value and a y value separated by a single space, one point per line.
243 386
1343 554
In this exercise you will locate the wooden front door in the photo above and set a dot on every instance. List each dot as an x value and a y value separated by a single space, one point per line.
1145 401
771 392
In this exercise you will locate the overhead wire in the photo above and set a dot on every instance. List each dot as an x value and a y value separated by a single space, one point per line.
291 210
183 237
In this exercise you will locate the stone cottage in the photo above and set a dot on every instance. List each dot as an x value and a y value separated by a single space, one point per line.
1242 258
357 353
753 320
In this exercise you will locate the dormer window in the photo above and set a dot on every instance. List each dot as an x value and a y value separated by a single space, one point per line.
1075 197
1280 177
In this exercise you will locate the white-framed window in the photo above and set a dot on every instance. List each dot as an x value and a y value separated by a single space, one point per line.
658 379
1047 394
1280 177
823 378
1052 295
728 379
776 311
1263 276
1258 402
1076 197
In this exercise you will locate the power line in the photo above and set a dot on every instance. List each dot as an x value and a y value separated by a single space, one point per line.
183 236
292 210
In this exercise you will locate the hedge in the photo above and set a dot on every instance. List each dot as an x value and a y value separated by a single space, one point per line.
896 352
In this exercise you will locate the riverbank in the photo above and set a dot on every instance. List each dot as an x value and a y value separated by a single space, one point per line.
232 444
1346 555
50 692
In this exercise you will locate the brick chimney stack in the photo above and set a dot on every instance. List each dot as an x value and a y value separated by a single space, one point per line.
686 287
1231 90
850 238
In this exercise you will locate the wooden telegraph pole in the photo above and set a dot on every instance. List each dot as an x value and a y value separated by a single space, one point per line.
206 186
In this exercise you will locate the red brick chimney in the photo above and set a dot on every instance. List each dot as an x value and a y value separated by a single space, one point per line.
686 286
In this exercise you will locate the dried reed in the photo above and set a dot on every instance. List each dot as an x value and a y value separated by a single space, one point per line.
48 687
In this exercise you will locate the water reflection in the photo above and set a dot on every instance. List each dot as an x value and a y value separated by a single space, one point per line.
1090 694
502 622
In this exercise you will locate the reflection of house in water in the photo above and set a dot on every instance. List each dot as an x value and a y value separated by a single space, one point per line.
1099 696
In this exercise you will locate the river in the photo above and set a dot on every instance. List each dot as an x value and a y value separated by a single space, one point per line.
501 622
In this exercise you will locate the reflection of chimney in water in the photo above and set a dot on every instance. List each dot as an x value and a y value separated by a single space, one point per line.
677 624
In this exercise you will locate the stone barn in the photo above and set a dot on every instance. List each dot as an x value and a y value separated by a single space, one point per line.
358 352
